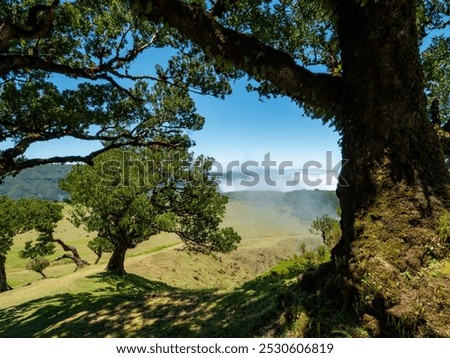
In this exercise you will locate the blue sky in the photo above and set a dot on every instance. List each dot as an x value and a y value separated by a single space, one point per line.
243 128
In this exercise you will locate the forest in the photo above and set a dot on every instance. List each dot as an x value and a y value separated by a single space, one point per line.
368 260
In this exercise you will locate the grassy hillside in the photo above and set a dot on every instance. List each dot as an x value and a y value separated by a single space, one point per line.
169 292
134 306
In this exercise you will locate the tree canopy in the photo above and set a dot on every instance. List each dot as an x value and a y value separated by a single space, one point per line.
67 70
129 196
22 215
275 42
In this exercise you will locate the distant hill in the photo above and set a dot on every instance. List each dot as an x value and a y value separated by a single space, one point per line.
38 182
42 182
305 205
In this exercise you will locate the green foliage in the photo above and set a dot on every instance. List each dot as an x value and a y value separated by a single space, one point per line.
40 249
443 229
306 261
437 74
129 196
9 224
306 32
323 253
26 214
40 215
100 245
328 228
9 227
38 265
94 45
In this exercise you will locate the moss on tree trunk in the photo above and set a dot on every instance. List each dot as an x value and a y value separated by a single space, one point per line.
393 190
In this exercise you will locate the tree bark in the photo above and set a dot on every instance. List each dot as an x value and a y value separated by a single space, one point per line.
80 263
99 256
116 264
75 257
393 189
3 283
42 274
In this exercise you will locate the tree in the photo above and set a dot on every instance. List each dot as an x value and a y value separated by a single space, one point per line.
371 88
36 254
42 216
98 246
22 215
9 227
328 228
92 45
395 183
129 196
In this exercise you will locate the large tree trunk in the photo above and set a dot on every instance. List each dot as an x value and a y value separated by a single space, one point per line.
117 261
3 283
393 190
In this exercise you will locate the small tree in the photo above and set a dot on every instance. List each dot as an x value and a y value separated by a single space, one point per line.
36 253
100 245
38 265
328 228
42 216
31 214
127 197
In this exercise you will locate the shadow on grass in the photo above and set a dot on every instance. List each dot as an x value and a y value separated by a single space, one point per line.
132 306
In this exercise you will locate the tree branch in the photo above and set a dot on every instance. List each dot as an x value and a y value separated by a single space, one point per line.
12 165
66 247
246 53
14 62
80 263
37 27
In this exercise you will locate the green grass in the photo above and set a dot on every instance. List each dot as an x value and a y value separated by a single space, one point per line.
267 233
168 292
133 306
91 303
